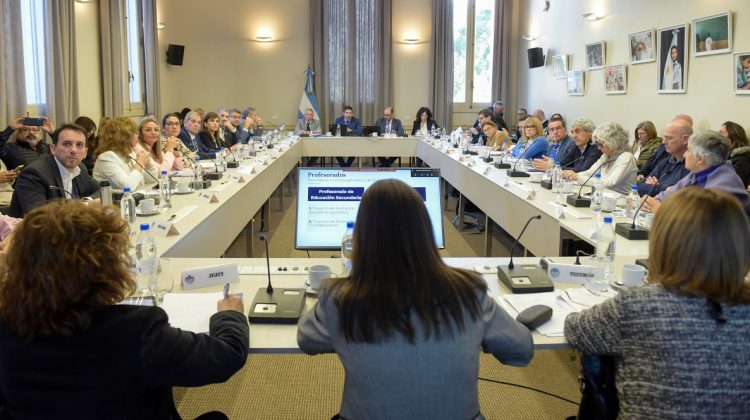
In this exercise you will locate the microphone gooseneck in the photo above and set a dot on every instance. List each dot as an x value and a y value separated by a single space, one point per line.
144 169
56 188
264 237
510 264
648 194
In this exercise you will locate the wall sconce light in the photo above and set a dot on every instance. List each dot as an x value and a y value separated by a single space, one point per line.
411 40
263 38
160 25
592 16
530 37
83 1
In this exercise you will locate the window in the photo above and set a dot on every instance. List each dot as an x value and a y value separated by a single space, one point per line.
473 49
32 26
134 92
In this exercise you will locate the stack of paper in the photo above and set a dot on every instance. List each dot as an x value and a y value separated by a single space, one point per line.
190 311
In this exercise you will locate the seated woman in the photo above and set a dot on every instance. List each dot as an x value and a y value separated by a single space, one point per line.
740 149
408 331
706 159
536 144
680 343
617 165
148 140
496 139
68 347
117 160
209 134
646 142
424 123
171 130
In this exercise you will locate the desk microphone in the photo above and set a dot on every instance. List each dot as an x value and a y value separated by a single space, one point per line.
578 201
547 183
501 164
630 230
236 162
144 169
527 278
216 175
282 306
514 173
55 188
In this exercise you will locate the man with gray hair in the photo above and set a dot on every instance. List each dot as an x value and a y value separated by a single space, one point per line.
706 159
498 109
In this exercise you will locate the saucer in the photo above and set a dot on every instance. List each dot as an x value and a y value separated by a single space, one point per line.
138 211
310 291
182 192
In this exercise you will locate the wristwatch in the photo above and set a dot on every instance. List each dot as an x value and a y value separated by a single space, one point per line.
87 199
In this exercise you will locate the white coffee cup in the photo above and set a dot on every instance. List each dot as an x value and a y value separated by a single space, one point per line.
633 275
536 176
183 187
318 274
608 202
147 205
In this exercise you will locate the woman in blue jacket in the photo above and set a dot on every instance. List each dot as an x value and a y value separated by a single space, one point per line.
536 145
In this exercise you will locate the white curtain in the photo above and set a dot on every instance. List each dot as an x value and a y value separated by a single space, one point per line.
61 74
501 61
12 81
112 32
151 57
351 44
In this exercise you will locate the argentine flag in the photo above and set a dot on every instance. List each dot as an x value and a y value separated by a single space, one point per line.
308 98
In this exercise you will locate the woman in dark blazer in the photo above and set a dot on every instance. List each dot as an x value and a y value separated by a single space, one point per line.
424 122
67 349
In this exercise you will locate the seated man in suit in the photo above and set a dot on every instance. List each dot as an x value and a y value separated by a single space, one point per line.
585 153
58 175
670 170
498 109
350 126
389 126
559 148
307 125
477 136
706 159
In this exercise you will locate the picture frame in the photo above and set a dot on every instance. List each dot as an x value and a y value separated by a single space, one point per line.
595 55
712 34
575 83
642 46
741 73
615 79
672 59
560 66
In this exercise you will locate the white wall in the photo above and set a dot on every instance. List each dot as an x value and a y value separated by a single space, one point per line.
411 63
709 98
88 59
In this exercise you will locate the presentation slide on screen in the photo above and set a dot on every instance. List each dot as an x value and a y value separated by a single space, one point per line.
328 198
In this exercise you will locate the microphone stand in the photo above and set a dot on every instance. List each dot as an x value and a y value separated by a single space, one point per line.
578 201
145 170
513 173
56 188
631 230
527 278
236 162
547 184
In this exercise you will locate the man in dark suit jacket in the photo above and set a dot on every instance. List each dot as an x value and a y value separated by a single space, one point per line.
57 175
387 125
350 126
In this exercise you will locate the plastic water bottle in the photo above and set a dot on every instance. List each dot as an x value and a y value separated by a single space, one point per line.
596 193
145 261
557 179
346 246
105 193
165 190
633 201
221 162
197 175
282 130
605 247
338 130
127 209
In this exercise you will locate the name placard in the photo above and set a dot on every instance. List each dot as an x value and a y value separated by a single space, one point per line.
237 177
194 278
208 197
571 273
165 228
244 169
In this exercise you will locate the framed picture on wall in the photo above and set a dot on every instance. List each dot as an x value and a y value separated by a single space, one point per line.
560 66
575 83
642 47
595 58
712 34
615 81
673 62
741 73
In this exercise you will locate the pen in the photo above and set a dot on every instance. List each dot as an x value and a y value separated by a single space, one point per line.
226 290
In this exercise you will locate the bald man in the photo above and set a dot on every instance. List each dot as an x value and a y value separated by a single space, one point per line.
671 169
660 153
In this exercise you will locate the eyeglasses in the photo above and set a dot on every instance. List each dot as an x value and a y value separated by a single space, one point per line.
170 123
25 129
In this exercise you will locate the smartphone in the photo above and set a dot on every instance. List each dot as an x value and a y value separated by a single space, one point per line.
38 122
18 168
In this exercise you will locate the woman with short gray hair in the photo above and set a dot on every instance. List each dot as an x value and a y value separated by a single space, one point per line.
617 164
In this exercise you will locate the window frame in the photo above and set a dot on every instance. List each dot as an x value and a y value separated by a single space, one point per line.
34 32
468 105
133 108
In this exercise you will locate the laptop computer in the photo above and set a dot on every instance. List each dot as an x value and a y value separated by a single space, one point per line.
369 129
332 130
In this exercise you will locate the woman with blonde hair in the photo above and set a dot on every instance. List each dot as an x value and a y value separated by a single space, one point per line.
617 165
681 343
69 349
536 144
149 140
118 161
408 331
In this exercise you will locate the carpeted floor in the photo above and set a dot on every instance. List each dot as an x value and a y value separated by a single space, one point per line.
306 387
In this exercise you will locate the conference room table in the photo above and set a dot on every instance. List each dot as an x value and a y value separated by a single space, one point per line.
206 229
280 338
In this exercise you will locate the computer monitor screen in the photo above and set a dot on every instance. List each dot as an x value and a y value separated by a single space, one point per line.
327 198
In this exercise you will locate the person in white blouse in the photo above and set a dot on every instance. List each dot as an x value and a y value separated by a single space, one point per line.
617 164
148 140
118 162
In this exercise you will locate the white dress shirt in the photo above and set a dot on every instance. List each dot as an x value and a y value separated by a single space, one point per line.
67 179
119 172
617 176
